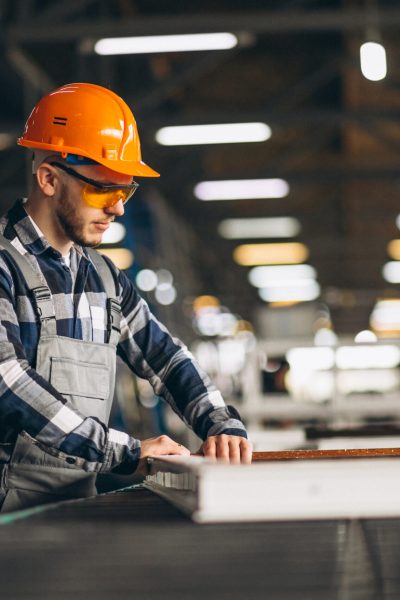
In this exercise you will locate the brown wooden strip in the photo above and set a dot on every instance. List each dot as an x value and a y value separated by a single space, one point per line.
308 454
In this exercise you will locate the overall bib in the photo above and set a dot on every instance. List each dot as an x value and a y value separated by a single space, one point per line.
84 373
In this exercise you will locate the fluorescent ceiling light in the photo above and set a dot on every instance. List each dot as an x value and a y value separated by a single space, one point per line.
300 291
241 189
373 61
227 133
264 276
391 271
275 227
166 43
114 234
367 357
270 254
311 359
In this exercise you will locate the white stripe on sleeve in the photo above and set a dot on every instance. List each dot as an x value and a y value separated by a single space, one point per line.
66 420
10 372
118 437
216 399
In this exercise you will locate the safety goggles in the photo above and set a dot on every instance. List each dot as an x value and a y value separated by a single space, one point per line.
100 195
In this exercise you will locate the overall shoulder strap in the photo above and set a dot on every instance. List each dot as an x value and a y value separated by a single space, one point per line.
41 293
113 306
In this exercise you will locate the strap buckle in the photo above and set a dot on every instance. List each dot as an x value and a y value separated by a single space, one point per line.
43 301
114 316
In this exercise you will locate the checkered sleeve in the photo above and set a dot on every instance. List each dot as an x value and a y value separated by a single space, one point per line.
152 353
29 403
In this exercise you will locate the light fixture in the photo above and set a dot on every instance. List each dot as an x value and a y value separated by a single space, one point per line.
391 271
166 43
300 291
366 336
241 189
385 317
270 254
325 337
373 61
226 133
367 357
266 227
121 257
165 293
311 359
393 249
164 276
206 303
146 280
114 234
264 276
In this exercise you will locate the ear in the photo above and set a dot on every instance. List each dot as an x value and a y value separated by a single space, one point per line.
46 177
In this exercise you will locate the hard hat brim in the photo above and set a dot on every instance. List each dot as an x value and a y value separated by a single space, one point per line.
133 168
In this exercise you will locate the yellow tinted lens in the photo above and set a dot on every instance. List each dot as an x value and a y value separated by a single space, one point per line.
104 198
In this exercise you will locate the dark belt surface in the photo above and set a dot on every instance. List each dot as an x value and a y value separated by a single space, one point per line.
133 544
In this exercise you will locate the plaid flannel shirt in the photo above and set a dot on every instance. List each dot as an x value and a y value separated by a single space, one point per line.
29 403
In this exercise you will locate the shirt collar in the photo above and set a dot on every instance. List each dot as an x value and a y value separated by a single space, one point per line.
30 234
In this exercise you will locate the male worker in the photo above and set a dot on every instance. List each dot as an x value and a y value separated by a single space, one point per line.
65 312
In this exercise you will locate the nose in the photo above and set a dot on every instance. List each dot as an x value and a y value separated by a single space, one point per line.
117 210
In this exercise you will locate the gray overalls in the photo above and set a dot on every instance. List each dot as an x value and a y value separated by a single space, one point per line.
84 373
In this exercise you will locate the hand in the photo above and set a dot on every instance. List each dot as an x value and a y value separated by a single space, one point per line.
227 448
158 446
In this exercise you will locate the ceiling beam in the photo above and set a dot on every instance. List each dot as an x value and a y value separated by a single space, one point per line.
257 22
303 118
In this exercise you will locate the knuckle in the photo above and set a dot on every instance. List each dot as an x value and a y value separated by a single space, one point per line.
163 439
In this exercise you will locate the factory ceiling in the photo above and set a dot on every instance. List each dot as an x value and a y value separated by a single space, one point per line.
335 136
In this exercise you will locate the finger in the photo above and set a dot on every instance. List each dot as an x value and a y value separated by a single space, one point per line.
208 448
246 451
222 447
234 451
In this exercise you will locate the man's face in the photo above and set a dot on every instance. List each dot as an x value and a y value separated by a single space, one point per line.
79 222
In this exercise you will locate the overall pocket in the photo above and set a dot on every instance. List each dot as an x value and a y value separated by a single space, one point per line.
85 384
34 477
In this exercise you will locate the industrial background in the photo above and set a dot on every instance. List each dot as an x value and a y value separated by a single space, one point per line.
273 253
296 68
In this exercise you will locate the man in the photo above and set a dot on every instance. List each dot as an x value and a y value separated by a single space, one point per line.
65 312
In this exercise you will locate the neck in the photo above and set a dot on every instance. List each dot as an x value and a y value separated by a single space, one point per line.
40 210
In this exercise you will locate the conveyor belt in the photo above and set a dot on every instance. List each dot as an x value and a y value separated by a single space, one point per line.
133 545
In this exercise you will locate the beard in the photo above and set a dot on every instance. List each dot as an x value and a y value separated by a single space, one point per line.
71 222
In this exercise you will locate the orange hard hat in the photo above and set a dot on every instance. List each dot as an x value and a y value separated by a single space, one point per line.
87 120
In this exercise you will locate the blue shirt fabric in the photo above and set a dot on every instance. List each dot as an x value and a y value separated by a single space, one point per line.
29 403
